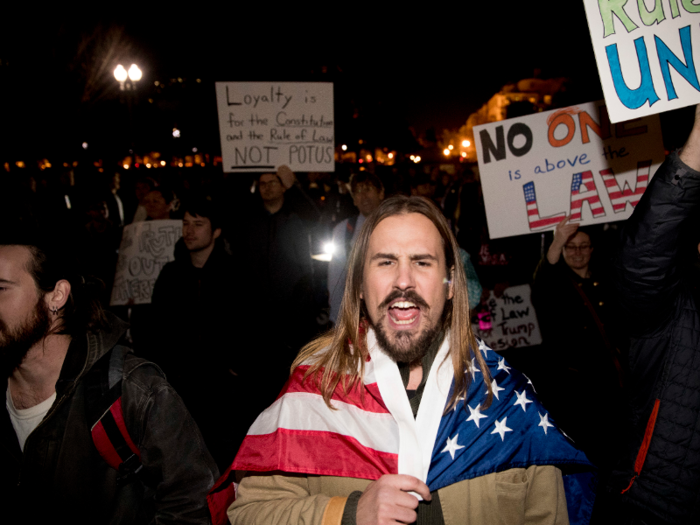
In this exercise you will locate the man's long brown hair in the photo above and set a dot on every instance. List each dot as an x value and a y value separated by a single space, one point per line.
341 353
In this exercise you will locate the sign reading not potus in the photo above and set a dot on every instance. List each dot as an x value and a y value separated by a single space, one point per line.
145 248
265 125
536 170
644 50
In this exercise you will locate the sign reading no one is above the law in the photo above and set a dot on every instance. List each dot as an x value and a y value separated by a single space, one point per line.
264 125
536 170
647 54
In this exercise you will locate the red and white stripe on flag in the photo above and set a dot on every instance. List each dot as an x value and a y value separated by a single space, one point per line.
299 433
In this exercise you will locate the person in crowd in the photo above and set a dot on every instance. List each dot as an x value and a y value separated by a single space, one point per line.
54 339
367 194
275 262
192 309
159 204
657 480
142 188
400 403
583 341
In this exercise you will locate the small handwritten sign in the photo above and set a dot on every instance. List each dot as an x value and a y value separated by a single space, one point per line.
264 125
513 320
536 170
644 51
145 248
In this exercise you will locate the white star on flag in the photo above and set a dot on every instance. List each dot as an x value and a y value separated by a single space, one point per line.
474 369
544 422
476 414
483 347
496 389
452 446
522 399
501 428
502 365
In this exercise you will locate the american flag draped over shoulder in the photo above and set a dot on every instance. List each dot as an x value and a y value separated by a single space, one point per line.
373 431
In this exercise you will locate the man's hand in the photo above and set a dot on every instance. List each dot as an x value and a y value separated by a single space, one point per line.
562 233
387 502
286 175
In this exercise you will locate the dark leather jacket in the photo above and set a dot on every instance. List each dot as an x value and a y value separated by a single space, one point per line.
661 309
60 477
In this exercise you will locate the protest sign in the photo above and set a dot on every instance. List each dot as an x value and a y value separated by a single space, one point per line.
145 248
644 51
513 320
264 125
536 170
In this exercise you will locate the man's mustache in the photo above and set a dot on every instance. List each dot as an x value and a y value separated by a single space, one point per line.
406 295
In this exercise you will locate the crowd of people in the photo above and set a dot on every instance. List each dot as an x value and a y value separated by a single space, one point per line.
244 302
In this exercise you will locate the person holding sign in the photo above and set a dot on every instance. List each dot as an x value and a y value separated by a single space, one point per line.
658 479
581 334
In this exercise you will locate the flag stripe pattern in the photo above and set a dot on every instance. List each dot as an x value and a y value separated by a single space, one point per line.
533 214
300 434
619 198
583 189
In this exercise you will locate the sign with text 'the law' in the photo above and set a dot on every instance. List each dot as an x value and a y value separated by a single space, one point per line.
265 125
647 54
536 170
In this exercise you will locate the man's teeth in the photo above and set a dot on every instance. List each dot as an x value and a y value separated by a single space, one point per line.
408 321
403 304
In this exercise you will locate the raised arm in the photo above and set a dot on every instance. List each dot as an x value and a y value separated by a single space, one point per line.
649 264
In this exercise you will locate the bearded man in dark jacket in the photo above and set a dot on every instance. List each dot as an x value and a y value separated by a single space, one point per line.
658 480
53 337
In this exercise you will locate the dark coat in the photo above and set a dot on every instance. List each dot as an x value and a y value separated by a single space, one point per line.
577 357
661 308
61 478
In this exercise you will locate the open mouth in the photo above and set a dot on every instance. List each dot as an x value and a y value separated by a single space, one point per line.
403 313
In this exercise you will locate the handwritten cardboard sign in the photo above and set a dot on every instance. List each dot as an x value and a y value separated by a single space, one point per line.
513 320
145 248
264 125
536 170
647 54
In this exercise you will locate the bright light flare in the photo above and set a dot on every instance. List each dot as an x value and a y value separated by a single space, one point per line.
446 152
135 73
120 73
176 133
466 143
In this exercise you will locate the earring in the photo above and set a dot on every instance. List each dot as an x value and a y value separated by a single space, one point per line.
54 310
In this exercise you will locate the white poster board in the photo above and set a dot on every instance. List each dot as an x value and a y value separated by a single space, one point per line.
265 125
145 248
513 320
645 53
536 170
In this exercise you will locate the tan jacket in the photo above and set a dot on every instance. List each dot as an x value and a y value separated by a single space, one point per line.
532 496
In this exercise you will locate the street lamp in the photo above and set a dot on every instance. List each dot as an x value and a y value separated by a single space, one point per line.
121 74
133 75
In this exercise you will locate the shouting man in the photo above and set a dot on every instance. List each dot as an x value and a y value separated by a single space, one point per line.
90 433
399 414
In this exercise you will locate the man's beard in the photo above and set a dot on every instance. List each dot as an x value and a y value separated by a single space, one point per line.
407 347
15 343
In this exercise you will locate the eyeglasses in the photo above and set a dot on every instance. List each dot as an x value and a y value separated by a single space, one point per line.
577 248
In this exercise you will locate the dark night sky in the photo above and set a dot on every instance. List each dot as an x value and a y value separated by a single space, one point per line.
429 67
